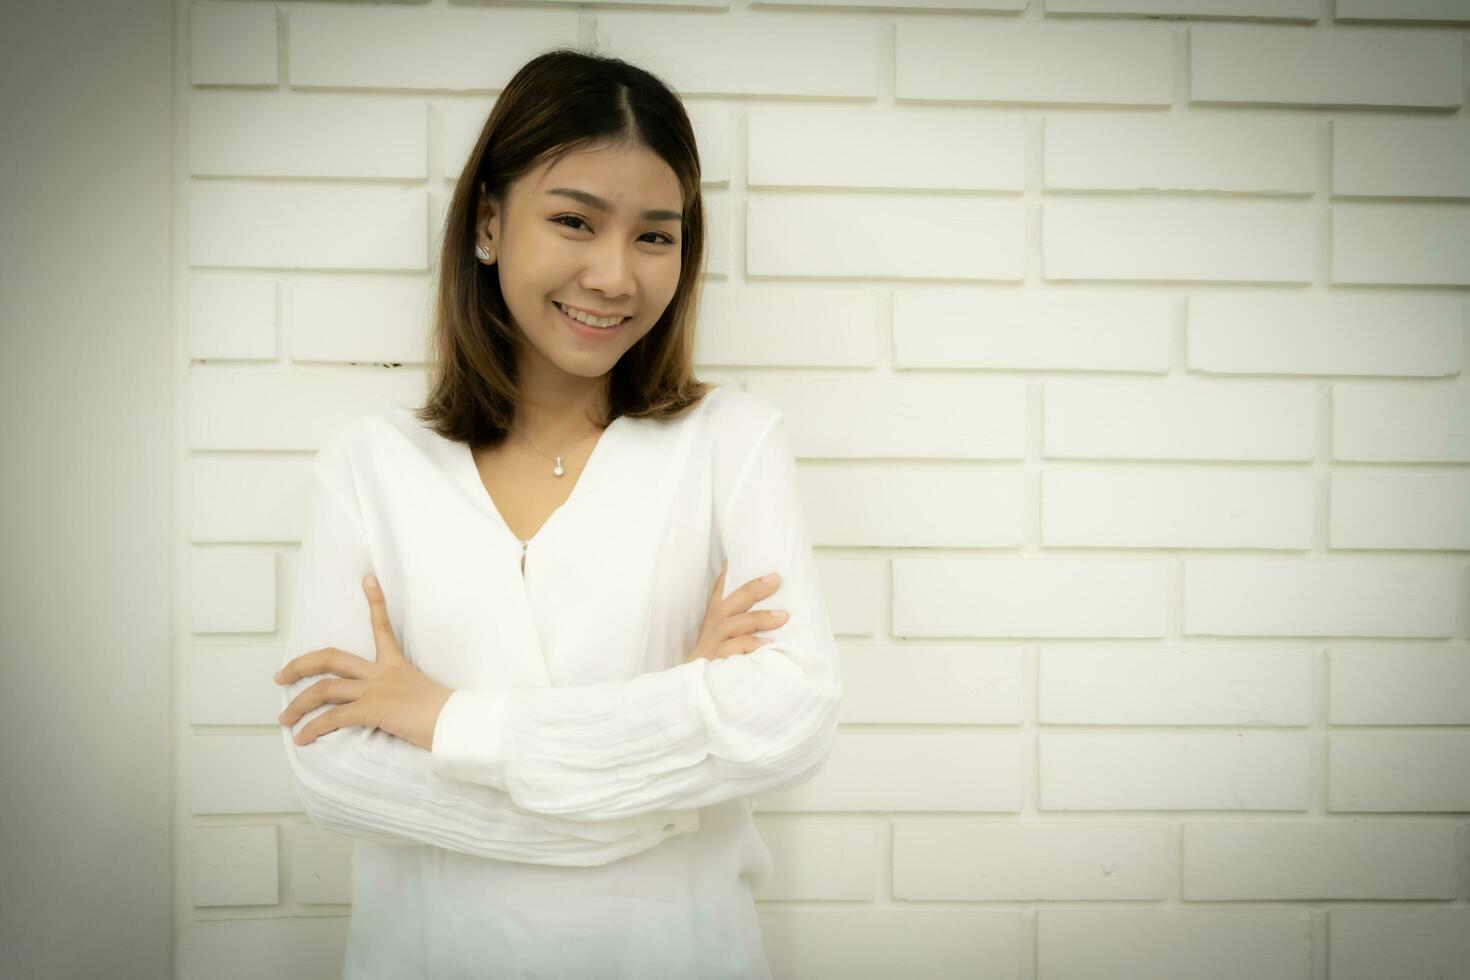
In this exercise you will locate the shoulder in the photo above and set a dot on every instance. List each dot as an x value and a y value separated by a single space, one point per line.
351 446
746 432
727 421
738 417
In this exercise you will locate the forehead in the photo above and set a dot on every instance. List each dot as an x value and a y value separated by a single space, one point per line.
630 179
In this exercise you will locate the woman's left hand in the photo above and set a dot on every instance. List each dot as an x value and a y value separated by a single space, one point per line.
389 693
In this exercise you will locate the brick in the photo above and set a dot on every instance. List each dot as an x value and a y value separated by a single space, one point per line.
785 325
1400 511
280 947
1115 151
971 772
1403 10
1169 507
854 590
897 417
1160 943
232 592
230 684
943 684
1379 422
1398 772
1398 684
1259 686
1240 770
1011 6
987 861
1275 65
1401 244
985 61
914 506
231 319
232 44
247 498
877 944
307 226
290 410
302 135
1326 333
1417 941
234 866
1392 157
814 858
786 52
453 48
923 237
359 322
1319 597
236 774
1029 597
1196 420
863 146
717 239
1075 330
1199 239
1309 860
1255 9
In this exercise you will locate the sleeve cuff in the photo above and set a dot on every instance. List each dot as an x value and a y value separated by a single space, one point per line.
468 737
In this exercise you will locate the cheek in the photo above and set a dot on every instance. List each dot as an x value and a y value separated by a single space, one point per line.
638 333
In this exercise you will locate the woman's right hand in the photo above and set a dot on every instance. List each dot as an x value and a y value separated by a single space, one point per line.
728 623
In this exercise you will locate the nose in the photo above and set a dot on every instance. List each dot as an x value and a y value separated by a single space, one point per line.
610 271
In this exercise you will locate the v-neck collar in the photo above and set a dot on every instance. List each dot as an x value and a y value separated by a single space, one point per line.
469 474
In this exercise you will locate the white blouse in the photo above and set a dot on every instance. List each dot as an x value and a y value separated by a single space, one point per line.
581 812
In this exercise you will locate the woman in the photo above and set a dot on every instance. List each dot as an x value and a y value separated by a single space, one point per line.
507 676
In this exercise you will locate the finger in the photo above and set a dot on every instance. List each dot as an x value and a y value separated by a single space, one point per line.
304 702
746 623
741 645
333 690
748 594
711 608
383 638
326 660
327 721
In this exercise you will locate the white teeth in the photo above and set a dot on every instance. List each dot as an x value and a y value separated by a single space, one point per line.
591 321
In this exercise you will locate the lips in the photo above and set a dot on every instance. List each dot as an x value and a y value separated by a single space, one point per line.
582 309
595 334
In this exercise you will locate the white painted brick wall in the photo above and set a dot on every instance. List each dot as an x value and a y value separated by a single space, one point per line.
1122 344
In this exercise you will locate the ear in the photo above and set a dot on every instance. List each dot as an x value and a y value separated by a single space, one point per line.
487 218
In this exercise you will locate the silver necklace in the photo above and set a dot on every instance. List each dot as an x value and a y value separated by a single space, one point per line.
556 469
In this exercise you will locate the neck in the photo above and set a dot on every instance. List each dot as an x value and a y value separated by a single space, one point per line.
555 419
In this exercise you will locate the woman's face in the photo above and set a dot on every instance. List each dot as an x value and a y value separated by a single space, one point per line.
549 247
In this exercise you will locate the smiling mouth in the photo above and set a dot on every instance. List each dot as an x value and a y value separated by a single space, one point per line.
563 311
585 331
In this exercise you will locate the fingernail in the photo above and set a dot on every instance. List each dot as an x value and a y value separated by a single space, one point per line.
372 581
770 578
277 676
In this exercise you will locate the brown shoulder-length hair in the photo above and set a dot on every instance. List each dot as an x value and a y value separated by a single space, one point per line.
560 101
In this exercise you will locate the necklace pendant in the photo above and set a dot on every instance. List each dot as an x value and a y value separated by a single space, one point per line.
557 470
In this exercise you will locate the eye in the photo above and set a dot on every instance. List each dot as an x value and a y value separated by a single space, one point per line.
561 218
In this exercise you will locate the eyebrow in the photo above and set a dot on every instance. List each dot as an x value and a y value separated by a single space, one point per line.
593 201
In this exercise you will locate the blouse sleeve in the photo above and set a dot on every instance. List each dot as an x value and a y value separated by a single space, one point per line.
692 735
368 784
